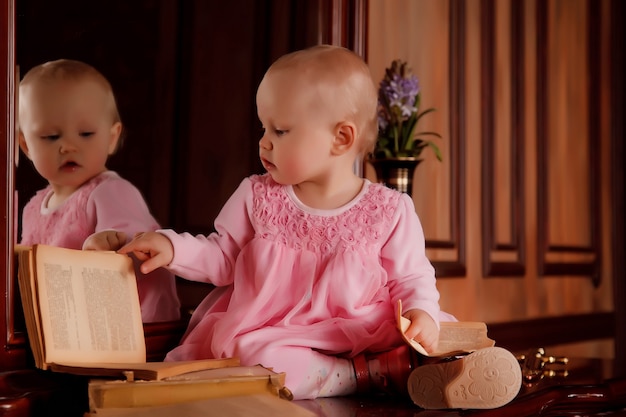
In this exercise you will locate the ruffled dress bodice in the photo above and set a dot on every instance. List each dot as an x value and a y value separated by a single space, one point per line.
295 275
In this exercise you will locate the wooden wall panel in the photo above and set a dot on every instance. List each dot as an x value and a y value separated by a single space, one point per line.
343 23
214 136
567 139
533 154
438 62
503 134
617 69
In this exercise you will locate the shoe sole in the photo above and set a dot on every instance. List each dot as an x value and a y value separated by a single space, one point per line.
485 379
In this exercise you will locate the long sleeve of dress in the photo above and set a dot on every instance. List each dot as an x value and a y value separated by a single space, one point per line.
212 258
118 205
411 275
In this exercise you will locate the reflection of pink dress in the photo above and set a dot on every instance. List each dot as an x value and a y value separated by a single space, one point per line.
295 278
106 202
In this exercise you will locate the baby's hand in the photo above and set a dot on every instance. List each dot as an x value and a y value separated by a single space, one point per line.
153 248
423 329
105 240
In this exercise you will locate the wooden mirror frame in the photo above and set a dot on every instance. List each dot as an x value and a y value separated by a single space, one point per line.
13 354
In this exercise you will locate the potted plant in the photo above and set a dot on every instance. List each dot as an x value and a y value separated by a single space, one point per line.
399 147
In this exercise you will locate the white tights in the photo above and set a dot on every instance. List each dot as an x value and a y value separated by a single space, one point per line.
328 376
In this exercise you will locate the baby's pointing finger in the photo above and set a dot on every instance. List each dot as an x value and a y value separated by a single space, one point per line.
152 263
133 246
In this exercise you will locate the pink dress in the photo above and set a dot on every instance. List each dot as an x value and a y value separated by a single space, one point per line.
296 280
106 202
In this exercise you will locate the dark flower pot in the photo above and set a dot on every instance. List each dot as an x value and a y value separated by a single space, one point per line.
396 173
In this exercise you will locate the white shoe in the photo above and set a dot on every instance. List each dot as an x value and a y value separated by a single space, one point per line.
485 379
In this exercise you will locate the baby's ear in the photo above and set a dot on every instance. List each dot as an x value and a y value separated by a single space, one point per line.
116 131
345 137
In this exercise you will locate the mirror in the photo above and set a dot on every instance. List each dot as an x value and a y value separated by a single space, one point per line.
185 77
184 122
172 84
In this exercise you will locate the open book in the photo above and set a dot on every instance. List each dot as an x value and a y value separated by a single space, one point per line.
83 315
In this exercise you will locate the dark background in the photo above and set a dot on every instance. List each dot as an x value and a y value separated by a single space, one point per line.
185 75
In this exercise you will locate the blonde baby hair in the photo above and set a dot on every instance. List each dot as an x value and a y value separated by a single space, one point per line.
348 77
71 70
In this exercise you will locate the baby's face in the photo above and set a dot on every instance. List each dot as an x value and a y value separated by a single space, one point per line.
67 130
298 128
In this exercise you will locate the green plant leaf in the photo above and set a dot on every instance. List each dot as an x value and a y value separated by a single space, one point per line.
428 134
435 149
420 115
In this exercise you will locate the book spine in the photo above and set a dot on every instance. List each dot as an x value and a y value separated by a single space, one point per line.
153 393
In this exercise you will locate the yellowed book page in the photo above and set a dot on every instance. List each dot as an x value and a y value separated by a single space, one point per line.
258 405
454 337
89 306
230 372
146 371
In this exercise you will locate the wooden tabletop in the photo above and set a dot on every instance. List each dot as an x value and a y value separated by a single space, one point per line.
586 387
582 387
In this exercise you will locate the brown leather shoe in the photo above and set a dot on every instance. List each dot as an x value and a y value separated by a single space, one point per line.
385 371
485 379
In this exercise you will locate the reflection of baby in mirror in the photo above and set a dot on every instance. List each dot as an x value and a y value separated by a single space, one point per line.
68 126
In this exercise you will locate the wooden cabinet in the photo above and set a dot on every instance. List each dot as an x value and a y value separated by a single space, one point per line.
522 216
